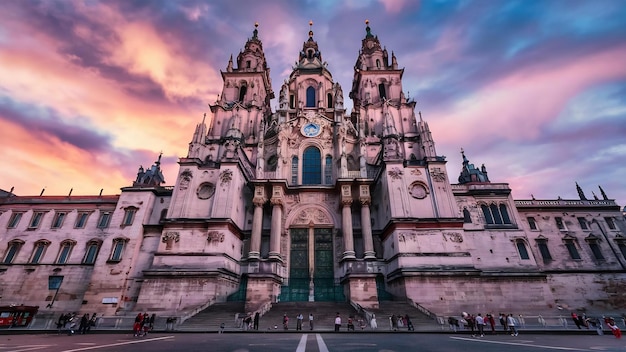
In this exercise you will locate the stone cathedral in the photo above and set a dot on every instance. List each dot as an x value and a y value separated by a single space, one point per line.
311 203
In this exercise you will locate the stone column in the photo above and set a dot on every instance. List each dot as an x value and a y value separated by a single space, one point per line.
346 221
257 225
366 229
366 223
277 215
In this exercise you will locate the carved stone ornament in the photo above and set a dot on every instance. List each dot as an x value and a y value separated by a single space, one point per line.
416 172
453 236
395 173
418 190
205 190
215 237
185 178
225 177
438 175
307 216
170 236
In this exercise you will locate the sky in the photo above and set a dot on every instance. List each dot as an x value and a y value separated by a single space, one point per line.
535 90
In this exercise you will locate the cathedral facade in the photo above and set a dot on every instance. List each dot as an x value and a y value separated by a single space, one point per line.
309 203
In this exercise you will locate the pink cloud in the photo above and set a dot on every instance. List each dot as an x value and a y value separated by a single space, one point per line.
517 106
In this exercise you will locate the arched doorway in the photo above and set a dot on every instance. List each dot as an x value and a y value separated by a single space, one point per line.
311 260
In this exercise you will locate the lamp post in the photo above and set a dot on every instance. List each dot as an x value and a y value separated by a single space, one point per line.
54 283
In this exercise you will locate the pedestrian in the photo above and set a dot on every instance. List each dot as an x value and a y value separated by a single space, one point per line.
84 323
299 319
394 322
610 322
145 324
151 321
137 324
503 322
285 322
480 324
575 319
92 322
471 322
373 323
337 322
222 326
453 323
511 323
311 321
409 323
62 322
350 324
256 320
595 323
247 322
492 322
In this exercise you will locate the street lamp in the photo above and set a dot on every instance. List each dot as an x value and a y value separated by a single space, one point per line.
54 283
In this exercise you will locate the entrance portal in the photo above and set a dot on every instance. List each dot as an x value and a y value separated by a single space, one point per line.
311 270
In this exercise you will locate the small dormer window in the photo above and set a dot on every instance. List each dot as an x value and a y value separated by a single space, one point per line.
377 63
309 53
248 63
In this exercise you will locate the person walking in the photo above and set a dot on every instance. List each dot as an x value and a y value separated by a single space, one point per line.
84 323
137 324
299 319
285 322
256 320
409 323
503 320
510 321
337 322
480 324
311 321
373 323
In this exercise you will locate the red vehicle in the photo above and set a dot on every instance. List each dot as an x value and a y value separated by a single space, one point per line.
17 316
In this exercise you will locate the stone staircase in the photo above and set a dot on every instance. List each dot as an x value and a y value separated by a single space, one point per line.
388 308
213 316
324 314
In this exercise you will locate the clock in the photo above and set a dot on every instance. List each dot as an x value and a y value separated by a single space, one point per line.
311 130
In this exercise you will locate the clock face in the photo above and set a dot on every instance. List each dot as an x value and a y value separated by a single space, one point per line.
311 129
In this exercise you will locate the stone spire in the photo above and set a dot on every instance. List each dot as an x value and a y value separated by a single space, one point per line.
153 177
469 173
581 194
603 194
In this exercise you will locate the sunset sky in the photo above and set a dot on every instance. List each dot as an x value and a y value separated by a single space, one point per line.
535 90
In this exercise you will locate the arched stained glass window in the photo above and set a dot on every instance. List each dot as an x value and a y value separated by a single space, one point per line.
311 166
310 97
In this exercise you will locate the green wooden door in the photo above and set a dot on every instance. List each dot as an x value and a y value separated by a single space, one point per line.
298 289
323 277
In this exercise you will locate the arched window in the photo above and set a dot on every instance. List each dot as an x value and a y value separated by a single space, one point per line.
377 63
329 97
311 166
466 216
542 244
382 92
117 251
495 213
38 251
12 250
328 170
310 97
93 247
242 92
487 214
294 170
65 251
505 214
521 248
